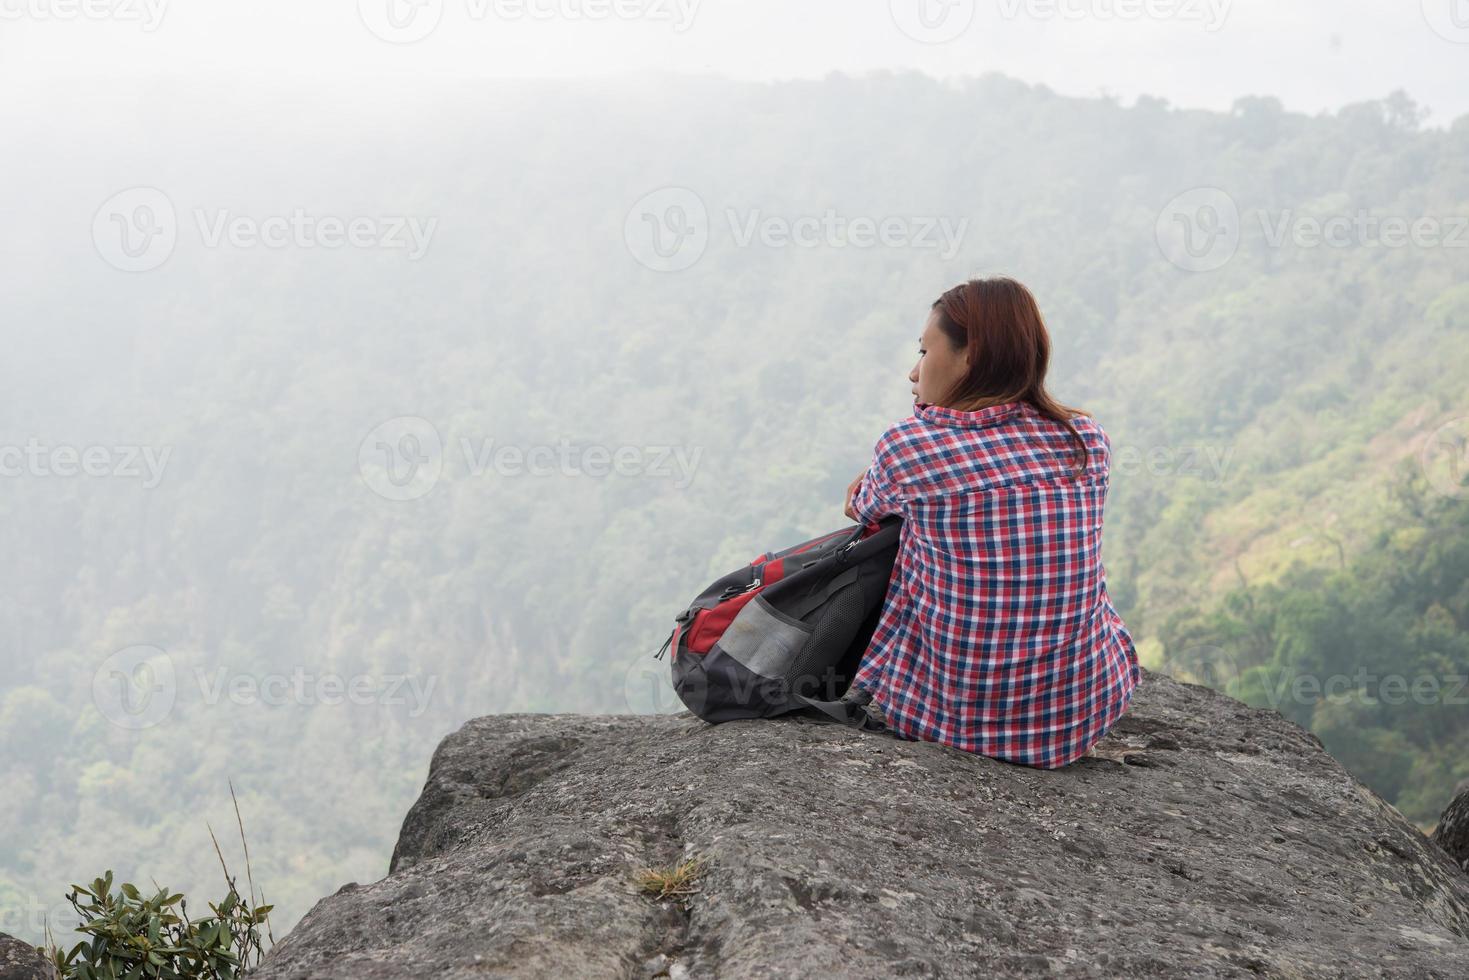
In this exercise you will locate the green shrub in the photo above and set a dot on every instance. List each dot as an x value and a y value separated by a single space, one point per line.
138 938
134 937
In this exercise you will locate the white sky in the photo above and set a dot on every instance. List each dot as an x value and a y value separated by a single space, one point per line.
1313 54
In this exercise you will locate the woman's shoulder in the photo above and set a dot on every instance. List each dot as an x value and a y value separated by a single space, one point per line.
904 438
1085 423
1099 444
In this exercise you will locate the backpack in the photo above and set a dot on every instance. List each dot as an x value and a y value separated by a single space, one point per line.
787 631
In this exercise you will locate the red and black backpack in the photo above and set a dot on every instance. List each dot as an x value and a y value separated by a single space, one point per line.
786 631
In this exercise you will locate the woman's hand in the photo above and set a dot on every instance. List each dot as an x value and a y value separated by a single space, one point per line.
851 492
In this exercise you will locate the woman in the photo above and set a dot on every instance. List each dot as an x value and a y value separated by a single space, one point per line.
997 636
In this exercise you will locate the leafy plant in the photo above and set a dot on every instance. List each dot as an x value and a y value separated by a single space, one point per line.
134 936
138 937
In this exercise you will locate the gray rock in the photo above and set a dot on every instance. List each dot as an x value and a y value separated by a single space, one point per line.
1205 839
1452 831
20 961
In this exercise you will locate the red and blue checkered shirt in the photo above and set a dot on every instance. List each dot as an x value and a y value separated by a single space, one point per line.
997 635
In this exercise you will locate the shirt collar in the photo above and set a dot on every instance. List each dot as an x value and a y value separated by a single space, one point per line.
939 415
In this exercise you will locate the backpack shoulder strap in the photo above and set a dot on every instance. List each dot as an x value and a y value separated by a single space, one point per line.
847 711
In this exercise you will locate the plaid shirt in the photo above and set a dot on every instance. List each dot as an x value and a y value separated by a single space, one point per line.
997 635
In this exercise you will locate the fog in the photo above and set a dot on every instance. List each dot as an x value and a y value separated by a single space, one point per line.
1313 55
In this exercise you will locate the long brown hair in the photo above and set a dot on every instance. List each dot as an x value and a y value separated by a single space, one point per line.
998 323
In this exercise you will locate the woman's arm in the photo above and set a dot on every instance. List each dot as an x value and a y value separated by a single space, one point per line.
851 490
875 494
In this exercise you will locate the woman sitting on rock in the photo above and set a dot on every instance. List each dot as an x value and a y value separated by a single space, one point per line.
997 635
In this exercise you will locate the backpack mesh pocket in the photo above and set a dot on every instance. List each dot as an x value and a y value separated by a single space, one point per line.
814 672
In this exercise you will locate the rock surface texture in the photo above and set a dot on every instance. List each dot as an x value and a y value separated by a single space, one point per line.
1204 839
1452 832
20 961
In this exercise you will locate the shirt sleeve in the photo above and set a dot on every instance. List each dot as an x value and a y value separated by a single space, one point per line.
880 493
